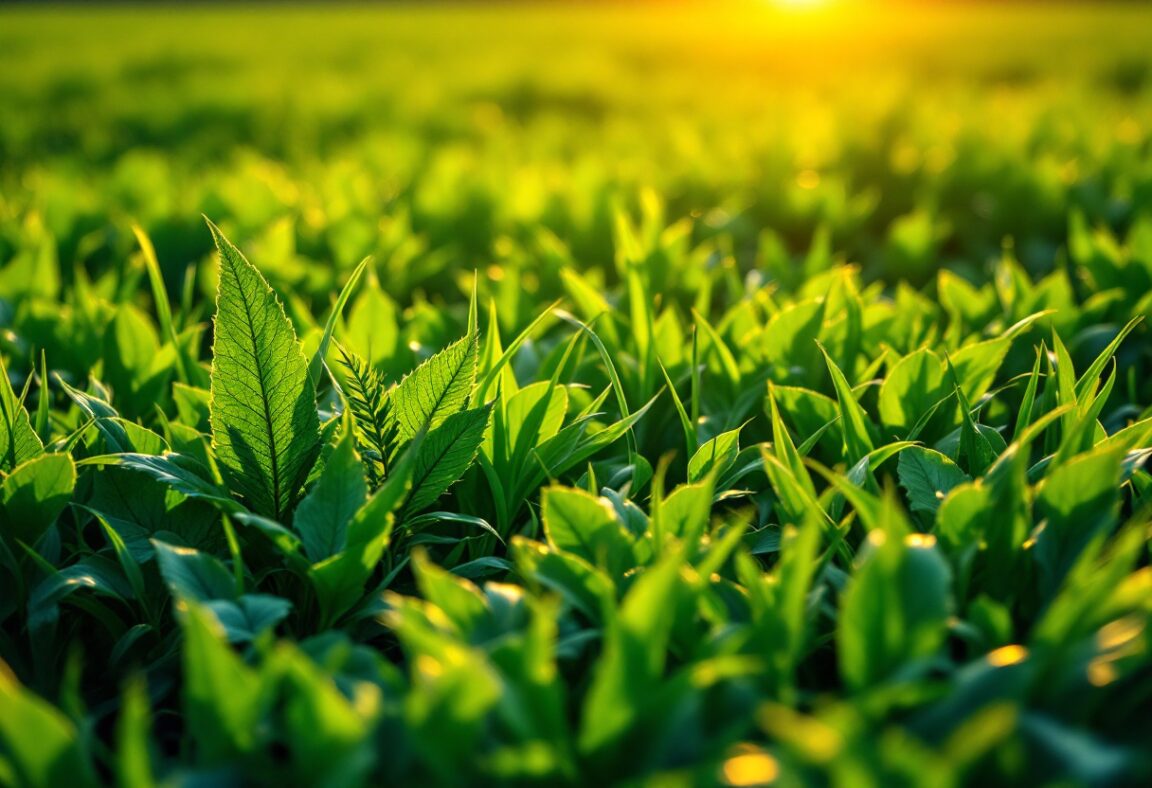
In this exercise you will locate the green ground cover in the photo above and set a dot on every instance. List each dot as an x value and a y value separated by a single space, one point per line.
663 395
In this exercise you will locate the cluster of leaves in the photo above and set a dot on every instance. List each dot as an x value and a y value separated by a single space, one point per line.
667 491
887 538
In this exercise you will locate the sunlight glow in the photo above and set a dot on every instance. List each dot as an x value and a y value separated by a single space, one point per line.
799 4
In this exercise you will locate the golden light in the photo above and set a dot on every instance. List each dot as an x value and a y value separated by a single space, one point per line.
799 4
750 769
1007 655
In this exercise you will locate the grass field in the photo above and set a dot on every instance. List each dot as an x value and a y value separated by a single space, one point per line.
656 394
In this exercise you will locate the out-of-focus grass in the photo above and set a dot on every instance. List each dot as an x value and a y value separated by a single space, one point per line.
917 135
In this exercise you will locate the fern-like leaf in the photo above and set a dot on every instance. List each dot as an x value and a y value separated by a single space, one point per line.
369 401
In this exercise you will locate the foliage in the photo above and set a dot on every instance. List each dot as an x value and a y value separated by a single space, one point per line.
739 466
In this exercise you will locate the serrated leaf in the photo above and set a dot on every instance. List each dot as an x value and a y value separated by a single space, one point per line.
445 454
265 429
436 389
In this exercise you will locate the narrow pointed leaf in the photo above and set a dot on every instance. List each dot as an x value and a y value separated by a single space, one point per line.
436 389
445 454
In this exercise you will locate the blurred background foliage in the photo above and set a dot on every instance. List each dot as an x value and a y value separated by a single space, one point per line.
445 139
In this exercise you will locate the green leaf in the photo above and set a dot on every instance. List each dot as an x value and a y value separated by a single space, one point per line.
785 452
316 366
18 441
436 389
634 654
894 612
221 693
323 514
371 408
372 329
180 472
135 367
265 430
160 299
1088 382
964 515
339 580
327 734
1079 500
529 417
717 455
690 440
133 756
685 514
192 575
93 572
853 420
445 453
927 476
580 584
38 744
34 494
585 525
244 619
459 600
119 434
914 384
976 365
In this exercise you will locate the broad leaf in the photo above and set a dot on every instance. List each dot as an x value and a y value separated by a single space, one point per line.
34 494
581 523
221 693
192 575
927 476
717 455
263 408
246 618
18 441
894 611
1078 501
